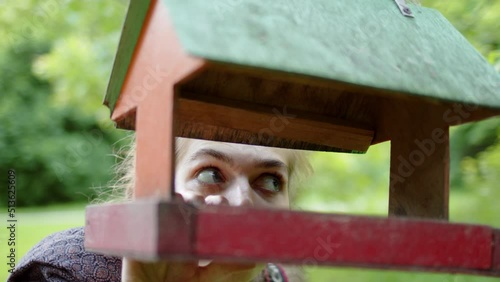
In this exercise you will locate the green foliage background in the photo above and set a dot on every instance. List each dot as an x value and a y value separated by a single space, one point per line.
55 61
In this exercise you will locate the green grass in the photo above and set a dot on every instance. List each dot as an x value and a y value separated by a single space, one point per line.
33 224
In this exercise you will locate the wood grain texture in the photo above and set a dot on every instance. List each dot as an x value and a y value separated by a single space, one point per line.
290 237
148 95
274 89
233 121
134 229
346 240
361 42
329 99
419 173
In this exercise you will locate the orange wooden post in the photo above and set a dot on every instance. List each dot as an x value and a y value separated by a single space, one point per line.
148 94
419 173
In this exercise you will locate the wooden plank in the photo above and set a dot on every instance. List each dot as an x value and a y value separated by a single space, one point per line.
155 143
419 173
332 99
268 126
326 239
419 182
111 230
244 234
134 229
148 92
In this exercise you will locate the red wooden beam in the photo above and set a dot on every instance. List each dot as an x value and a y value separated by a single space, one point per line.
178 231
133 229
327 239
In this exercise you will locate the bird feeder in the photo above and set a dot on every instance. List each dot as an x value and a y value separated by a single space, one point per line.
321 75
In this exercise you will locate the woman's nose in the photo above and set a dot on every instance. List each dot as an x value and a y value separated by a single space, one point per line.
241 194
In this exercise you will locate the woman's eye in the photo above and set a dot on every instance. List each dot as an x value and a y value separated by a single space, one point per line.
269 183
210 176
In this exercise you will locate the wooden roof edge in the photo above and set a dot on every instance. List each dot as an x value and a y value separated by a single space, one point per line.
131 32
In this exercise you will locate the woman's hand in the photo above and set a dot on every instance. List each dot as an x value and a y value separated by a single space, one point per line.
199 271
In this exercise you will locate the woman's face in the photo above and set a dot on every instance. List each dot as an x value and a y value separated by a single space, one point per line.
232 174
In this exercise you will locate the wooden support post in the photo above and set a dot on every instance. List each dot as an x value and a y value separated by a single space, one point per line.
261 125
148 90
419 174
155 143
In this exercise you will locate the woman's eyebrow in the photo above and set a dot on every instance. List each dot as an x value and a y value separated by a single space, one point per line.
212 153
262 163
271 163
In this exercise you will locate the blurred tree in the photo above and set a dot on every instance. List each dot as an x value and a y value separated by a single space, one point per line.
467 141
58 156
478 21
54 66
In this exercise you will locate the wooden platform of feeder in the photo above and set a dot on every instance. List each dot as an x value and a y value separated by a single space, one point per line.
181 232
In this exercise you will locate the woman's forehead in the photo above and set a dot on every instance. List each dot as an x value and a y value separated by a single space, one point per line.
193 147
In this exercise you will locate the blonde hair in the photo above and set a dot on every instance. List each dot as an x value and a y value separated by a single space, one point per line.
123 185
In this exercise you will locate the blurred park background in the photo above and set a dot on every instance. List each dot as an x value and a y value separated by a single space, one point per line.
55 61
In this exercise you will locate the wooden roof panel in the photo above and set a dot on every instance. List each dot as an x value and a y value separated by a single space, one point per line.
363 42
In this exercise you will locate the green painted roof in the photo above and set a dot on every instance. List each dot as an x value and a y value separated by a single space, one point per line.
131 31
364 42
